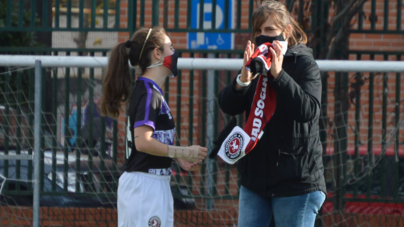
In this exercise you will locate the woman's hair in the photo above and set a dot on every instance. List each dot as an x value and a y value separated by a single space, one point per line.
117 79
281 17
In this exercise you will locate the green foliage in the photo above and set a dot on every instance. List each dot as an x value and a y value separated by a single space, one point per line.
14 39
26 39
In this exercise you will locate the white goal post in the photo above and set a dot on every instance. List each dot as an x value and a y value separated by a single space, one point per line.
198 63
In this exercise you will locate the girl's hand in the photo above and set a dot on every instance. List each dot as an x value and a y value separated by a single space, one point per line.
188 166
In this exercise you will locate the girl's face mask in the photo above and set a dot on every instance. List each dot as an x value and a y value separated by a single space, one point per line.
170 62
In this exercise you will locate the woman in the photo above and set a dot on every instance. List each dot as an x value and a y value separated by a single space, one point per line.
282 180
144 194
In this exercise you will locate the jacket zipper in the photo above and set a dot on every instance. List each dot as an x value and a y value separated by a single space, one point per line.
279 155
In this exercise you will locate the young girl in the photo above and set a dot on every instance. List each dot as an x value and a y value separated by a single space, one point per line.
144 194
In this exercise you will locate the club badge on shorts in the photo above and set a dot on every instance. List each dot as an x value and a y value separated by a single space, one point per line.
154 222
234 145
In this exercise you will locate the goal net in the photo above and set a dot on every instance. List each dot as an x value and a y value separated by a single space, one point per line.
83 152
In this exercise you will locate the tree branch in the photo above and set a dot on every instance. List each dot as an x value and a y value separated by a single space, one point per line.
343 12
333 31
337 40
356 9
346 16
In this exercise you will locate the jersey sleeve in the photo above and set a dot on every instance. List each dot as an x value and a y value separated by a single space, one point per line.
148 108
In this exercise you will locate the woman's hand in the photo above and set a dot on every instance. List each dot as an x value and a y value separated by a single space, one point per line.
246 76
187 165
277 59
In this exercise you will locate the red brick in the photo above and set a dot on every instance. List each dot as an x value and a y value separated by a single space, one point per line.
124 4
365 43
373 36
52 223
392 36
21 222
381 44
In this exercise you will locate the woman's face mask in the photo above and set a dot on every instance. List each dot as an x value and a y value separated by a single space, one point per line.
268 39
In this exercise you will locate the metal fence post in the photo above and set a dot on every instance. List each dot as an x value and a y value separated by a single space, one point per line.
155 13
37 142
210 135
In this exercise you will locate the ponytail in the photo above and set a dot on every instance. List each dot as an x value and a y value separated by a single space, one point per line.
117 82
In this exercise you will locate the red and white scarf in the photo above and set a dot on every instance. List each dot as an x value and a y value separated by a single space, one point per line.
240 142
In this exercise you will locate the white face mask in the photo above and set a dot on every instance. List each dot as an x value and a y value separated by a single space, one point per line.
157 63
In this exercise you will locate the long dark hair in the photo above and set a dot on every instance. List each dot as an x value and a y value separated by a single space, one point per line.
281 17
117 81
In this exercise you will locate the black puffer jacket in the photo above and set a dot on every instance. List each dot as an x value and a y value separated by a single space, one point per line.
287 160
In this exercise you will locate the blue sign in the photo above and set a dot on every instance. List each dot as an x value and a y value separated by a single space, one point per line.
211 40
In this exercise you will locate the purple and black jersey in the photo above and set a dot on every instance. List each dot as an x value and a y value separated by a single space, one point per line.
148 107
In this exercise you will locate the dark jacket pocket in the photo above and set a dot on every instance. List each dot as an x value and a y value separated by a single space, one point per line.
293 162
293 146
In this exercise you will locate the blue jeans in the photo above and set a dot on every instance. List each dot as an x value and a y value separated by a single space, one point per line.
294 211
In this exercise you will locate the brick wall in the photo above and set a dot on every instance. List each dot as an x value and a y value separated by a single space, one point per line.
373 42
102 217
358 41
348 104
